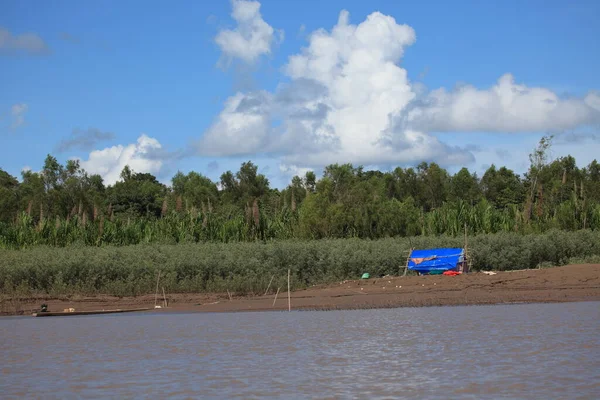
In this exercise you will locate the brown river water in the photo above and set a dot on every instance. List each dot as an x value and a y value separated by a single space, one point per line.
524 351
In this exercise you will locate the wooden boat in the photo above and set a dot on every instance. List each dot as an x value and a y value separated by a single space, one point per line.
91 312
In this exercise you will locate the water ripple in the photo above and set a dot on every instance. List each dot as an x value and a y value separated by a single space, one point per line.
518 351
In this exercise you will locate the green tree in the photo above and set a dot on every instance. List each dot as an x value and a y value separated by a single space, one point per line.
433 185
31 192
538 160
137 194
9 200
310 181
502 187
196 189
590 185
465 186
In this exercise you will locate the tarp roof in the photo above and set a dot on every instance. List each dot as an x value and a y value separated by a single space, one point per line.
428 260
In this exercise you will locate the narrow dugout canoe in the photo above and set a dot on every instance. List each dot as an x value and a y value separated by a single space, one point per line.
68 314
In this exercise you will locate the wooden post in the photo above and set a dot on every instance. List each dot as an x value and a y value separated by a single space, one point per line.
466 268
407 260
156 293
268 287
165 297
276 296
229 294
289 298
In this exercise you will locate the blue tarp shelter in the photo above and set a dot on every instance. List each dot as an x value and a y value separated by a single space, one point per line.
428 260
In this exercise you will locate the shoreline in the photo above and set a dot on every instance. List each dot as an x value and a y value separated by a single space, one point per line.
569 283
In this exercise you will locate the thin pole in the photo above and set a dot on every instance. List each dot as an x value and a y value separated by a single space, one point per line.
229 294
407 261
156 293
289 298
276 297
165 297
269 287
466 260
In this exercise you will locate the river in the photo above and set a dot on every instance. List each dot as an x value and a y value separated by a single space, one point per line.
536 351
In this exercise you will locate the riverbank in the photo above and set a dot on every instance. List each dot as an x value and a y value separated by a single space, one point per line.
560 284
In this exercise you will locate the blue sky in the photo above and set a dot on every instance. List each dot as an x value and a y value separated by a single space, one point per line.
87 79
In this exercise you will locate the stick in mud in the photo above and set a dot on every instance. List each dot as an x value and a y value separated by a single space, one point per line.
156 293
269 287
289 299
276 296
407 261
229 294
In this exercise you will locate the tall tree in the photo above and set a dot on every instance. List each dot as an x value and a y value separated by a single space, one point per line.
465 186
502 187
538 160
310 181
196 189
137 194
9 200
433 185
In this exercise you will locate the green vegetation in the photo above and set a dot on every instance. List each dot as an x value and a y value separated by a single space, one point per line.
63 205
64 231
248 267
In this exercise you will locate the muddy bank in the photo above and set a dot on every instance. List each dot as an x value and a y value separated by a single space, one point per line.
560 284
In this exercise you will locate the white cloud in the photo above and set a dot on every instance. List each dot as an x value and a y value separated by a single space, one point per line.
17 112
26 168
110 161
349 100
506 107
251 38
27 42
593 100
293 170
344 87
241 128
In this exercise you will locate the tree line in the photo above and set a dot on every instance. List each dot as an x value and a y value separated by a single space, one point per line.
63 204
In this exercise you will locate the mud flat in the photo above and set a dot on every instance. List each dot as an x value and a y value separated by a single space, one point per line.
560 284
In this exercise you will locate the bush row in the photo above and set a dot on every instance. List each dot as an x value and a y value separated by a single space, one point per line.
248 267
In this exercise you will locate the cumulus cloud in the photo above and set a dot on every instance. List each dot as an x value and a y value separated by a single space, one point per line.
241 128
17 112
26 42
251 38
84 139
347 99
110 161
506 107
344 87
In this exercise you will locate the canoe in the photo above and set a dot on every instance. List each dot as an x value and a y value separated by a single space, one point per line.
92 312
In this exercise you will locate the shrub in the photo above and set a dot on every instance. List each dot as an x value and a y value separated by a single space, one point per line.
247 267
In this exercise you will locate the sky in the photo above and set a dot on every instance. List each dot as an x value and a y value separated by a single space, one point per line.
296 85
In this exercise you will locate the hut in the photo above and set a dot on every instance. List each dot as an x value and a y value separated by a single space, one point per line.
437 261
